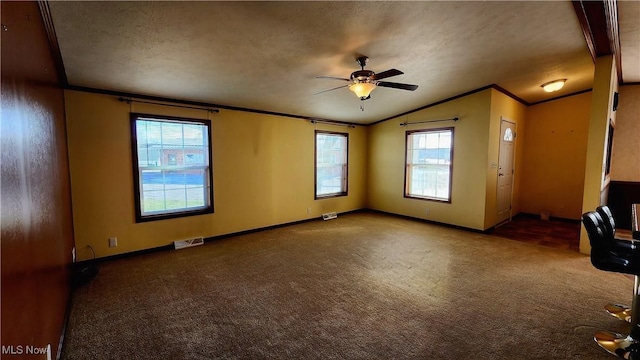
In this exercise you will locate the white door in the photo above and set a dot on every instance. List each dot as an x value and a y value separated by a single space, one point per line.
505 169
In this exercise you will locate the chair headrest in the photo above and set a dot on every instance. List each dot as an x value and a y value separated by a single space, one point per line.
595 229
604 210
607 219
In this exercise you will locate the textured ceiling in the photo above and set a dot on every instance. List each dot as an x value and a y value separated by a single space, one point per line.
265 55
629 19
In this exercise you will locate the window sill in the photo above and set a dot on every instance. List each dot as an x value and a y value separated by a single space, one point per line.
329 196
446 201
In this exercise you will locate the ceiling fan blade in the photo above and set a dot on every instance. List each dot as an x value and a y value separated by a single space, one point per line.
335 88
397 85
386 74
331 77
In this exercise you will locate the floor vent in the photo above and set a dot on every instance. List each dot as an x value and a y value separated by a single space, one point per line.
181 244
329 216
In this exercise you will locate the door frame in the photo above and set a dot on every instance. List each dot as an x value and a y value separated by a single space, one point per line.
513 167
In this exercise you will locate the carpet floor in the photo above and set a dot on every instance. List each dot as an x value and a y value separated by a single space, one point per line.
363 286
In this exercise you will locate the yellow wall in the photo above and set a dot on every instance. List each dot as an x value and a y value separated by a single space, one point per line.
263 166
605 83
387 161
503 107
555 156
263 174
625 162
475 158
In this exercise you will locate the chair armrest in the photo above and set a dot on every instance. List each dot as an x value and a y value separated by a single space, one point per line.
628 246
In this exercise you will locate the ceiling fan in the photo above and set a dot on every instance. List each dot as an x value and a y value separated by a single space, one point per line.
363 82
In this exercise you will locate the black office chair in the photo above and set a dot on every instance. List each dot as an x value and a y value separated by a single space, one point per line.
608 254
620 311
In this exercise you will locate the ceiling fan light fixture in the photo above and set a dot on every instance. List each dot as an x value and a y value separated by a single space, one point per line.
362 89
554 85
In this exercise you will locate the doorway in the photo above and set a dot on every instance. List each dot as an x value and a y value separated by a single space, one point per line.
505 169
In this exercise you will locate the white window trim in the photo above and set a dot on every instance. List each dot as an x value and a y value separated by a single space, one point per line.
408 166
344 181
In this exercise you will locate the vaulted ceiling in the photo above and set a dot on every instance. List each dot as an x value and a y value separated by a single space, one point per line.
266 55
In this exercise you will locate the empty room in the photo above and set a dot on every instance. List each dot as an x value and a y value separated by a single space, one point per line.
320 180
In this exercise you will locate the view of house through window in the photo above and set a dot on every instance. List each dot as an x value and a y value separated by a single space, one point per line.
331 163
429 165
172 170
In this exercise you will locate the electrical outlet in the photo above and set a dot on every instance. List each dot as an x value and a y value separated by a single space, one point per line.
427 211
113 242
308 210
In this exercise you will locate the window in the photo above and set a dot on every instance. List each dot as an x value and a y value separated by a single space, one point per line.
331 164
428 168
508 135
172 159
171 167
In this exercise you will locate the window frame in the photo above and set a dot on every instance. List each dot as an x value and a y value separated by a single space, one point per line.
406 165
209 209
315 166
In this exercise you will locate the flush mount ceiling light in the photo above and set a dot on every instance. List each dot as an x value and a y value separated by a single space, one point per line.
554 85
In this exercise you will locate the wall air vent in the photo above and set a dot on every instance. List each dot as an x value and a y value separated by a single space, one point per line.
181 244
329 216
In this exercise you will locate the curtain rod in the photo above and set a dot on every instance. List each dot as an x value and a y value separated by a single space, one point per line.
331 123
428 121
130 100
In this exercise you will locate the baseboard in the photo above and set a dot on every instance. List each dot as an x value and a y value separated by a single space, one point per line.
452 226
271 227
96 261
